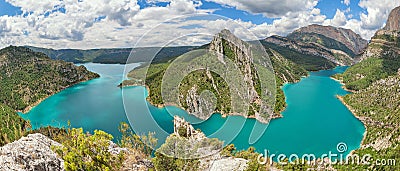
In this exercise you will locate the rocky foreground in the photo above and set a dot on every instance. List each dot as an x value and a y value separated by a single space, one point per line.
35 153
32 152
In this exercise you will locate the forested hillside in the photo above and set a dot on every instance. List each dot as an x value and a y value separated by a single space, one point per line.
27 77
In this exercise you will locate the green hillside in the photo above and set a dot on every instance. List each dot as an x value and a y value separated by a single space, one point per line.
322 40
12 127
27 76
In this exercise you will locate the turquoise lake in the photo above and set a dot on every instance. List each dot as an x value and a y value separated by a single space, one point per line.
315 121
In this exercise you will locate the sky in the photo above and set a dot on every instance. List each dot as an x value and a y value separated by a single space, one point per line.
87 24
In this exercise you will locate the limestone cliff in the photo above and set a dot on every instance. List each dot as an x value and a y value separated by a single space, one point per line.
393 22
31 153
347 37
309 50
380 59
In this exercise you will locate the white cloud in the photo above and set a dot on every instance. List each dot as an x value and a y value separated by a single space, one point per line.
120 23
270 8
346 2
338 20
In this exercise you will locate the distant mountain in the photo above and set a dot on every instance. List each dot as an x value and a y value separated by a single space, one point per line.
114 56
28 77
380 59
331 37
307 45
309 56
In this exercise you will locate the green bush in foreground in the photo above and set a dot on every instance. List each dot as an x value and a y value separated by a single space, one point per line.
88 152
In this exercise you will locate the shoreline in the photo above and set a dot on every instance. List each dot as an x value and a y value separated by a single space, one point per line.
358 118
31 106
223 115
340 98
343 85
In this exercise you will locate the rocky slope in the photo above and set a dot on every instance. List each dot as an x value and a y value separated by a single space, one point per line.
376 102
309 56
346 37
187 145
378 107
32 152
12 127
393 22
380 59
196 88
27 77
312 44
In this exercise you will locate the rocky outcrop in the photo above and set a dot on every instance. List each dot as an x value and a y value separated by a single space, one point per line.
393 22
200 147
242 55
386 41
188 130
345 36
230 163
313 49
32 152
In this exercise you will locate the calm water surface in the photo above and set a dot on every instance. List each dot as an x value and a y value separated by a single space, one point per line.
315 121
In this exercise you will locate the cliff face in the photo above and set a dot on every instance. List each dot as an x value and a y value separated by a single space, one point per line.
381 58
393 22
337 45
323 57
228 54
347 37
27 76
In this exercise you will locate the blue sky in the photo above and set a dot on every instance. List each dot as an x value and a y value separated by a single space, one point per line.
92 23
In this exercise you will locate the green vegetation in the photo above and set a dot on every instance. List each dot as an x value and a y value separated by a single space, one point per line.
285 72
12 126
364 73
378 106
309 62
143 145
183 153
27 76
88 152
376 103
322 40
113 56
249 154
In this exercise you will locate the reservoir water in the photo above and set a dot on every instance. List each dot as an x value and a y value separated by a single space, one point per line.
315 121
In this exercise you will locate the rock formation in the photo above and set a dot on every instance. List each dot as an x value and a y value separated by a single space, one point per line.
311 49
190 132
345 36
393 22
32 153
386 41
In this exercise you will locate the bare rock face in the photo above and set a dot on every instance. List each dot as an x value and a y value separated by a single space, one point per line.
393 22
386 42
231 163
346 36
32 153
